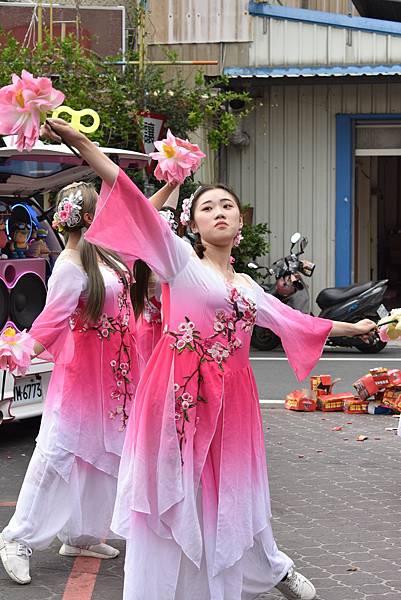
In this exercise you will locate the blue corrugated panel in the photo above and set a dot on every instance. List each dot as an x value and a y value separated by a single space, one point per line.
265 9
339 70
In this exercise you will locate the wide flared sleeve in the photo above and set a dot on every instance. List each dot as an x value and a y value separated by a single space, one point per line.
302 336
52 327
126 222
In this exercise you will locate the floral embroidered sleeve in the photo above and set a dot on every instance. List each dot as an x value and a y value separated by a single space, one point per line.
302 336
127 223
52 327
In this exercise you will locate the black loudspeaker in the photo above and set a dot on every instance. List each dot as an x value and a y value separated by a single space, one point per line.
22 292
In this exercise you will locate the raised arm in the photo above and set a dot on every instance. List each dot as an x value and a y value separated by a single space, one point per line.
100 163
125 220
167 196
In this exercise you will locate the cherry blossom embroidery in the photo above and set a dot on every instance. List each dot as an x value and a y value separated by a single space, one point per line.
216 348
105 328
151 312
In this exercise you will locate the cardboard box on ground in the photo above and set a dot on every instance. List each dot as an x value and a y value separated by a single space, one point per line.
377 392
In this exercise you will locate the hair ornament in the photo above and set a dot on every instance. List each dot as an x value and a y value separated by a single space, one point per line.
238 237
185 216
68 213
169 216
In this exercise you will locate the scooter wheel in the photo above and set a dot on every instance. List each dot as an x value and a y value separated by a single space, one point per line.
373 346
264 339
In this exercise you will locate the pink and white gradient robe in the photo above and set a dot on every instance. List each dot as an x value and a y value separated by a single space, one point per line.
70 486
193 499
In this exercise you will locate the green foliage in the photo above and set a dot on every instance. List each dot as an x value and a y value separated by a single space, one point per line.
253 246
119 95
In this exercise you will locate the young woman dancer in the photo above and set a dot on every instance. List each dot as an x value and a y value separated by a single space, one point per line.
193 498
88 328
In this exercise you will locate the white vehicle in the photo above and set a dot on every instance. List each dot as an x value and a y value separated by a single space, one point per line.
24 178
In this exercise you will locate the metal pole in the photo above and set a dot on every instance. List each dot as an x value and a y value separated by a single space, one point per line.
51 18
167 62
142 35
40 22
78 20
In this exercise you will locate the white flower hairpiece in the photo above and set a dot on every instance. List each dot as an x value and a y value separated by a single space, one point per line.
169 216
68 211
185 216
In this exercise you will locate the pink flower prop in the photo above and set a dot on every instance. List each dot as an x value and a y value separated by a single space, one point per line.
22 104
195 151
15 350
390 326
177 159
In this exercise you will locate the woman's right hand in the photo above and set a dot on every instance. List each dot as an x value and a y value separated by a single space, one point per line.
100 163
52 127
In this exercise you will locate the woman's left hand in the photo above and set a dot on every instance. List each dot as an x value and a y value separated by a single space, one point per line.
364 327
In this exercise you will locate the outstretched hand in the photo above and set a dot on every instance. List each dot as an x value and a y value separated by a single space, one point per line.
58 130
364 328
53 127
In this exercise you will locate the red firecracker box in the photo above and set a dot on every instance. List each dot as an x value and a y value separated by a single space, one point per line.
397 404
392 398
380 376
332 402
366 387
299 400
321 384
394 376
355 406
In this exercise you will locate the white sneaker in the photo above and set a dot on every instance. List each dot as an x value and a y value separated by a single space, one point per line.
296 587
95 551
15 558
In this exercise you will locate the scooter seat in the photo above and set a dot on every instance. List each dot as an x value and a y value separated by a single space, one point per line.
332 296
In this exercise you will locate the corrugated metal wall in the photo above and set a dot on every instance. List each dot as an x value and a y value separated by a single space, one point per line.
225 54
335 6
293 43
205 21
193 21
288 171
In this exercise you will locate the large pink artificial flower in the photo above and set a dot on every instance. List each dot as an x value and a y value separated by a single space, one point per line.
21 105
195 151
177 159
16 350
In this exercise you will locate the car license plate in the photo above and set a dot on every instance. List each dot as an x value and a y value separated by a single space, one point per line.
382 311
28 390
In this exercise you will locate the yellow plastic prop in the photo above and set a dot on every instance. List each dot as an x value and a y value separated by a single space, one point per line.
76 117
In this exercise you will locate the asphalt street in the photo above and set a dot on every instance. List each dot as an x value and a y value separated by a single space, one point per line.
335 501
276 379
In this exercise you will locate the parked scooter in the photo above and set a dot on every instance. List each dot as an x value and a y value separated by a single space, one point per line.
350 304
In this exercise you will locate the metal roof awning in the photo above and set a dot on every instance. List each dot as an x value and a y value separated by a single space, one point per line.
388 10
317 71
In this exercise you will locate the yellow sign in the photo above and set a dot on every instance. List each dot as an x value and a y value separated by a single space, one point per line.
77 116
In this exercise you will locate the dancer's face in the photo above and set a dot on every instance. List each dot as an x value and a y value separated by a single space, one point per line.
217 217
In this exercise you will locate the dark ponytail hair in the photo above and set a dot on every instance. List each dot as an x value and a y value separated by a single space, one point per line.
139 289
198 246
90 254
142 272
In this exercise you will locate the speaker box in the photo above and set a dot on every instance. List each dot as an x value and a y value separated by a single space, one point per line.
22 291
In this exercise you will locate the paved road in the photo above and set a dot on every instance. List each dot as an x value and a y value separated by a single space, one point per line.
336 504
275 377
